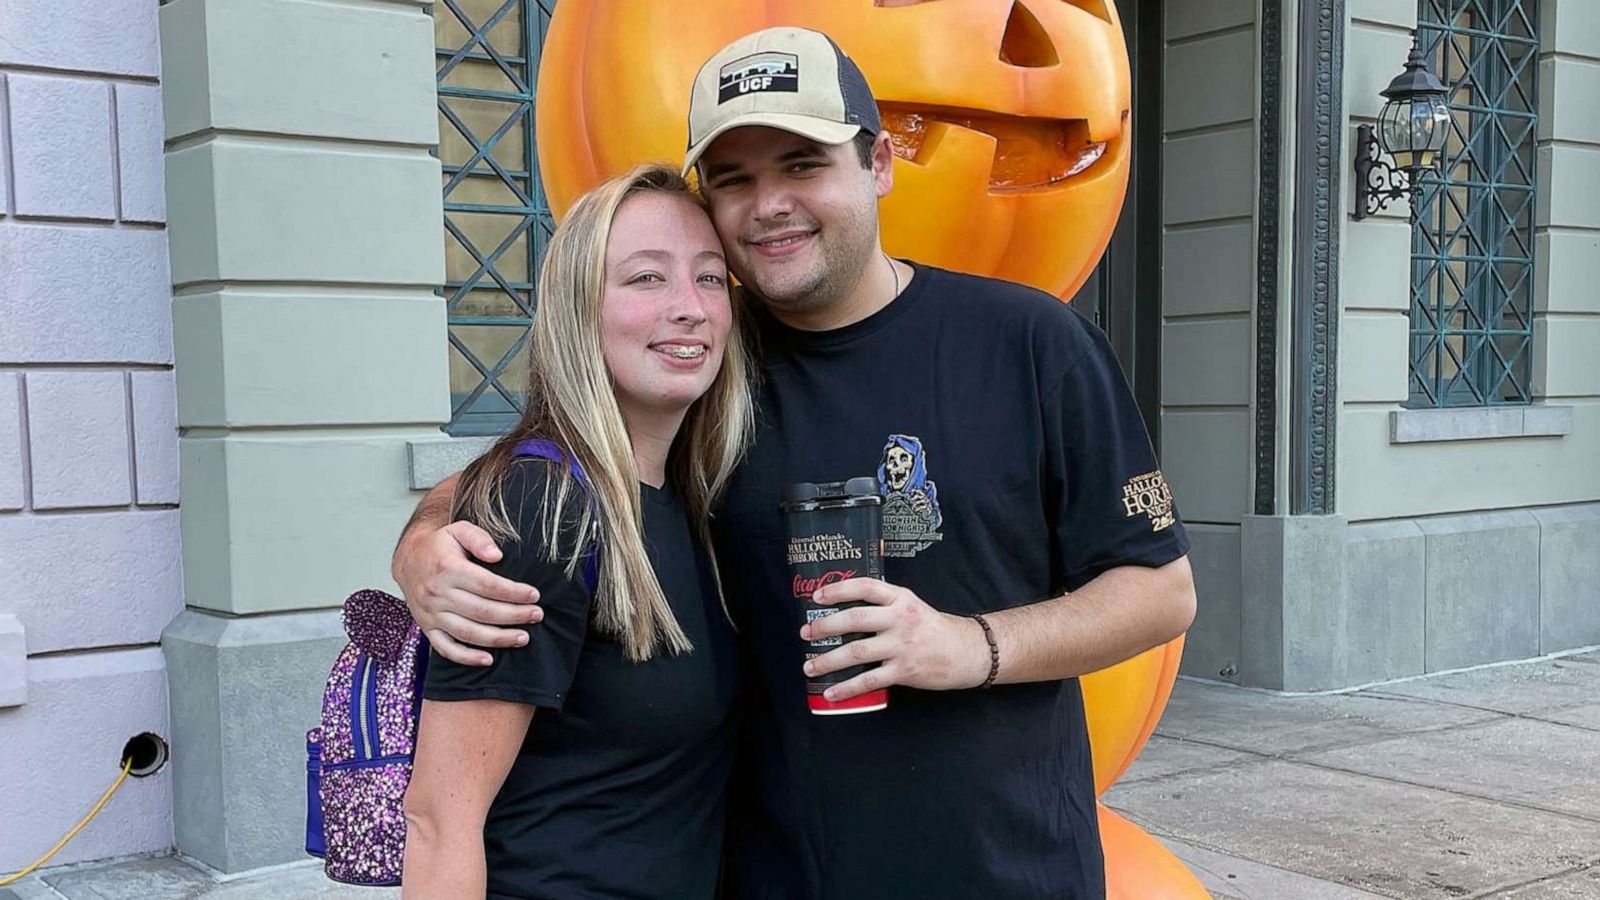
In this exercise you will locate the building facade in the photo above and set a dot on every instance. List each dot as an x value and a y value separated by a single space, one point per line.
228 274
90 569
1397 470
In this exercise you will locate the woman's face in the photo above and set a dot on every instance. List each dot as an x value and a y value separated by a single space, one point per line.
665 315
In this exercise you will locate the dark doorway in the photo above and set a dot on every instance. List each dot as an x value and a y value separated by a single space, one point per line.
1123 294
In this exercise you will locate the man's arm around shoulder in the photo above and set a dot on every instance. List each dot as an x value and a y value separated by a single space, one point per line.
438 565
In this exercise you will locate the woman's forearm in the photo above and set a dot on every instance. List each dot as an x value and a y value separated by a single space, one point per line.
443 861
464 750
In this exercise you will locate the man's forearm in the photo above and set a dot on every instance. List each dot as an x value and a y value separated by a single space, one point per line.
1116 616
430 515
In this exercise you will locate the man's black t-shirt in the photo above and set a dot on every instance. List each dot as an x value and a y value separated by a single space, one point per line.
618 790
1014 467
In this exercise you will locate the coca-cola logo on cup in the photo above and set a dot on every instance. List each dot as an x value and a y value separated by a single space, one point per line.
804 587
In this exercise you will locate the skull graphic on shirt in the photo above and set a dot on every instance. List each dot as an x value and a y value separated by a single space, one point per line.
911 514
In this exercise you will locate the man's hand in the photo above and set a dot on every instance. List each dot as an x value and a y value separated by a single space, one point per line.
454 599
918 645
1118 614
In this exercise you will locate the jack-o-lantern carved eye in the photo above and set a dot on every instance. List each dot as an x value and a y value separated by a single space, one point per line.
1025 42
1096 8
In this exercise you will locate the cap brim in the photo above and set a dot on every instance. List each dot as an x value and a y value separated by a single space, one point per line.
823 131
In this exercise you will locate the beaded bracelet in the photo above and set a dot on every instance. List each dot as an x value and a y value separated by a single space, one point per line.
994 650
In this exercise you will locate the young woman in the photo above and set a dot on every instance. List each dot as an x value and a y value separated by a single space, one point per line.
591 762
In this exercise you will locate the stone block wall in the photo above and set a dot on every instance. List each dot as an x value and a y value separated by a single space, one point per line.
307 245
1209 217
1330 604
90 568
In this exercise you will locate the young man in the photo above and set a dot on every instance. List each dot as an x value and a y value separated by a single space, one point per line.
1029 536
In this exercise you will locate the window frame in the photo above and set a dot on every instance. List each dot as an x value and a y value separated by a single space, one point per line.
1463 353
494 404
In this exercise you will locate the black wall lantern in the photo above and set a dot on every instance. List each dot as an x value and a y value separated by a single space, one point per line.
1412 129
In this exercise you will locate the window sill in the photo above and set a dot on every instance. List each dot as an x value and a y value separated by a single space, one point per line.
435 459
1421 426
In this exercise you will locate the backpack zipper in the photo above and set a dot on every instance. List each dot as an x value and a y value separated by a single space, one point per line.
367 748
380 762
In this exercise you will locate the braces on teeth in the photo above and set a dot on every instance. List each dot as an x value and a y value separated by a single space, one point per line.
684 352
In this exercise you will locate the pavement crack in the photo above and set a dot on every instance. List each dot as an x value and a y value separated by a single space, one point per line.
1505 889
1249 759
1295 752
1216 745
1455 792
1536 715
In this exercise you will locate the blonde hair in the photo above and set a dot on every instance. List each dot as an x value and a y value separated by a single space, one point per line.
571 400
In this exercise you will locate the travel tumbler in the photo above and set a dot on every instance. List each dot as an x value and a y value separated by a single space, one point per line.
835 532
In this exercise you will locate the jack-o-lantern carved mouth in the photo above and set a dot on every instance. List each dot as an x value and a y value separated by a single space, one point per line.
1029 153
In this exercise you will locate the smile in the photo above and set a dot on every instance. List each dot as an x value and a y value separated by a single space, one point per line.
681 351
784 241
783 244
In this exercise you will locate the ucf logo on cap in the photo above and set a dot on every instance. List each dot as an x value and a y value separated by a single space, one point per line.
756 81
761 72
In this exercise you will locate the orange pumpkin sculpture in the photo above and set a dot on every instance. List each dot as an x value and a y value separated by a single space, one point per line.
1011 132
1010 118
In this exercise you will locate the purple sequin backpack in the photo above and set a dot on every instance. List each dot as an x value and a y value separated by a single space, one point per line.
358 763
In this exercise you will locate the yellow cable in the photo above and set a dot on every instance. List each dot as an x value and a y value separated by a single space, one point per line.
127 764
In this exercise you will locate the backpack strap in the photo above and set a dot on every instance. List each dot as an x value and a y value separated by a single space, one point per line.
542 448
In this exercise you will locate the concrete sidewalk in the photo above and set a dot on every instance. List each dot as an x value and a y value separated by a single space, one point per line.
169 878
1477 784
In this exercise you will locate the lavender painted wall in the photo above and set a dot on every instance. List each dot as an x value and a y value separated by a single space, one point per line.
90 563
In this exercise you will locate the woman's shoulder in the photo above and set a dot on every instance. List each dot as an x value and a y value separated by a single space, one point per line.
531 477
535 491
533 505
547 526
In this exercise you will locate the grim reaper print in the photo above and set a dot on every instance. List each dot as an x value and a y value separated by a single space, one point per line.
911 516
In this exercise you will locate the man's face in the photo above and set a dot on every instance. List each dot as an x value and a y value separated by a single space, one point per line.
798 220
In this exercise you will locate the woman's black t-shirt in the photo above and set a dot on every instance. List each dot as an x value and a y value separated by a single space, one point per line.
618 788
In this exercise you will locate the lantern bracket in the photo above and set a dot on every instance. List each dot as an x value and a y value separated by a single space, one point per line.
1378 181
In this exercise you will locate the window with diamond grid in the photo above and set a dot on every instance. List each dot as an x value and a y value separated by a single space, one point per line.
1472 235
496 218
